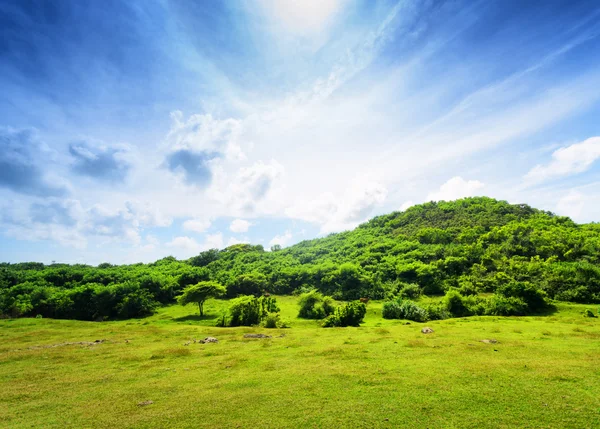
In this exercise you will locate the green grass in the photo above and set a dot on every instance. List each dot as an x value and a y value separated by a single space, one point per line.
543 372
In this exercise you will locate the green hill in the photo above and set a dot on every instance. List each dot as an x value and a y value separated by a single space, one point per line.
476 245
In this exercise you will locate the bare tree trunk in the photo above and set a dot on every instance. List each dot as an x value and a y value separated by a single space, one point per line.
201 308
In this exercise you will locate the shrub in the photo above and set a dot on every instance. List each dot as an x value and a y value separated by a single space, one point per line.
437 312
462 306
588 313
499 305
534 298
455 304
136 304
271 321
409 291
248 311
580 294
313 305
404 309
467 288
351 314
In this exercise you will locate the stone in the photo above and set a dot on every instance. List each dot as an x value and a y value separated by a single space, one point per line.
256 336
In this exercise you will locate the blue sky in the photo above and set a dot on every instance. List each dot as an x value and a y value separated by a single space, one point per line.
133 130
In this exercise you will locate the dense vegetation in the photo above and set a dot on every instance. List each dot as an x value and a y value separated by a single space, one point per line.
515 255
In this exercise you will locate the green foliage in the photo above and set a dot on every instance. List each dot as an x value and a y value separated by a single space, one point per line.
313 305
350 314
534 298
199 293
461 306
517 253
274 320
409 291
499 305
249 311
247 284
589 313
404 309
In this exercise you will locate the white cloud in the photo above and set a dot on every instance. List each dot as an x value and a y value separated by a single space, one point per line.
204 133
187 244
248 189
344 211
196 225
567 161
239 225
456 188
213 241
302 17
185 247
283 240
233 240
406 205
571 204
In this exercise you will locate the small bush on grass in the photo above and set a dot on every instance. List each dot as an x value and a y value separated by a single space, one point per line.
462 306
534 298
273 320
351 314
404 309
313 305
588 313
500 305
248 311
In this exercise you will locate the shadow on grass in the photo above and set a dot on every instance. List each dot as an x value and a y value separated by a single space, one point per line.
195 317
547 311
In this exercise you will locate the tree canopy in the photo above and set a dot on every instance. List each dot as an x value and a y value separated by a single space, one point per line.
200 292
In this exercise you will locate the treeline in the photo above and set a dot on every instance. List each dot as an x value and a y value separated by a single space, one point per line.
474 245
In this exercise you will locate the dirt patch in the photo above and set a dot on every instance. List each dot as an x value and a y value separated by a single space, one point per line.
490 341
256 336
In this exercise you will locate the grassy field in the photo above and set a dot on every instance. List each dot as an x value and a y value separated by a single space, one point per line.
543 372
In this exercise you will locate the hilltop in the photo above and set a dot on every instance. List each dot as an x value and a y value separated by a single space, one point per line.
474 245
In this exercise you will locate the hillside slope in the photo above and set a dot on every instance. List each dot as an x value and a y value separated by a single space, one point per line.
474 244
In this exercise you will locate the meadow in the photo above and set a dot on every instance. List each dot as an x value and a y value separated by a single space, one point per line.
542 371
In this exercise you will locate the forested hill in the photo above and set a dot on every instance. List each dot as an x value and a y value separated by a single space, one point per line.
475 245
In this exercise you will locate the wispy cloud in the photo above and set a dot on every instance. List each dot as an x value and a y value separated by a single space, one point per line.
566 161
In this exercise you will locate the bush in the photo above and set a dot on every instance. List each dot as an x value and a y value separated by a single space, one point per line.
248 311
437 312
467 289
462 306
313 305
588 313
136 304
580 294
271 321
534 298
404 309
351 314
455 304
499 305
409 291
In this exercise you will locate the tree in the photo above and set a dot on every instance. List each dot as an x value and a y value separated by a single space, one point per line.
199 293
